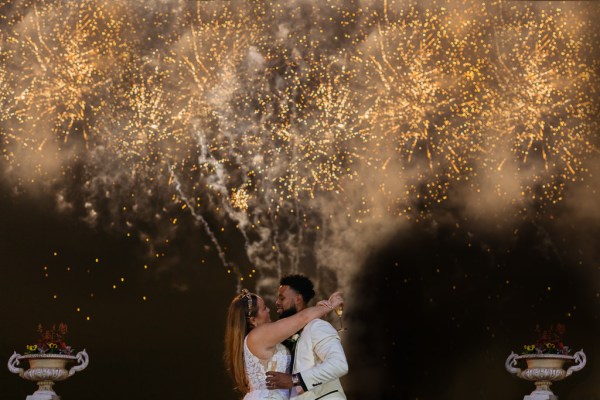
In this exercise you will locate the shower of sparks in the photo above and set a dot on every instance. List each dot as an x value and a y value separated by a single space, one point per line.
546 100
411 67
280 120
61 56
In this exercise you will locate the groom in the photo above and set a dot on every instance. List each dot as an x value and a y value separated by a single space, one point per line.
318 356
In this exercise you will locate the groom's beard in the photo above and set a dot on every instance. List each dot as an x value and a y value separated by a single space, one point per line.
288 313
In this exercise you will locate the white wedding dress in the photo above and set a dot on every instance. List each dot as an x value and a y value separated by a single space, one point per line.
256 369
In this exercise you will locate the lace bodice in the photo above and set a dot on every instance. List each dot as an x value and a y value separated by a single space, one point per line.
256 369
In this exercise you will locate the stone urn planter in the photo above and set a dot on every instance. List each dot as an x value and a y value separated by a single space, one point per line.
543 369
45 369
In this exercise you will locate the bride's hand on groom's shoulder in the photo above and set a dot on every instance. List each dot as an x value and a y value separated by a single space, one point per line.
325 303
334 301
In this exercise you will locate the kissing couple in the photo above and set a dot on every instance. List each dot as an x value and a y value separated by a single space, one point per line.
299 356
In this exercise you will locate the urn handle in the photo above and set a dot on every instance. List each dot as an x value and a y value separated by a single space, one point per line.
83 359
510 363
580 360
13 361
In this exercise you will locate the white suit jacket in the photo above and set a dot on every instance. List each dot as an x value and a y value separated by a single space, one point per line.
320 360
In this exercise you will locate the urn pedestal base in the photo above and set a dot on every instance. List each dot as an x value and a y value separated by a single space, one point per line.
44 392
538 397
43 396
541 396
542 388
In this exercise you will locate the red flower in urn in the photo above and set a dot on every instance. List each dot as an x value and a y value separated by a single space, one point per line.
51 341
548 341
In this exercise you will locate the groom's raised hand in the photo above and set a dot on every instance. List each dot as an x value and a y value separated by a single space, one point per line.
278 380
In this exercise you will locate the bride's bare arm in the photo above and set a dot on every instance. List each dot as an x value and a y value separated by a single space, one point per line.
263 339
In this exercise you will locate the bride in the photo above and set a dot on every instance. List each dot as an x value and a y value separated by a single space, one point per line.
253 343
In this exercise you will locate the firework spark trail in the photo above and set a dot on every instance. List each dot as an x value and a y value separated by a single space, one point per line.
314 139
207 229
218 183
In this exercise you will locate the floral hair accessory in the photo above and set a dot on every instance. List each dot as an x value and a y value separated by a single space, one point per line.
246 293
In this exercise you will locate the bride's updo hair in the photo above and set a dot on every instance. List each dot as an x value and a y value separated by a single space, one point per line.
242 308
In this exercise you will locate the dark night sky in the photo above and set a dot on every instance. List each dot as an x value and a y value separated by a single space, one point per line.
450 313
138 349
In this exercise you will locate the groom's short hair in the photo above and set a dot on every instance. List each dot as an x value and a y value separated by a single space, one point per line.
300 284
